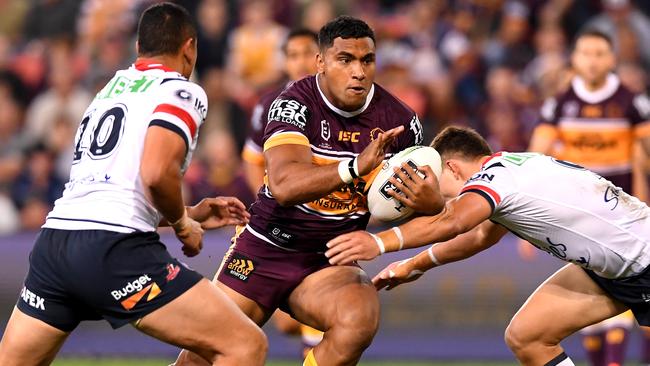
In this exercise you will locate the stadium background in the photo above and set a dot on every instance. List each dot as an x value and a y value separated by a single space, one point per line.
483 63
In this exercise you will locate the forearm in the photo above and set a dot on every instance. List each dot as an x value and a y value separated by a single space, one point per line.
164 193
304 182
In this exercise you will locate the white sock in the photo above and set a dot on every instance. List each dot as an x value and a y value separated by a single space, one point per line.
560 360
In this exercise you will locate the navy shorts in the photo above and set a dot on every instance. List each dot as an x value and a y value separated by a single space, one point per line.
633 292
96 274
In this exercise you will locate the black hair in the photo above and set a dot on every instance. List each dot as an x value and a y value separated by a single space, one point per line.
163 28
299 32
461 142
595 33
345 27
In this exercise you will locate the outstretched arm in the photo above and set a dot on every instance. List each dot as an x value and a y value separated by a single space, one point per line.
459 215
461 247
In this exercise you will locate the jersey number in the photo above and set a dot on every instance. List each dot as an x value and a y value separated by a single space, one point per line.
100 141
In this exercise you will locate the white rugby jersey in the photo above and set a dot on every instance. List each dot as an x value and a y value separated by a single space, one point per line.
566 211
105 191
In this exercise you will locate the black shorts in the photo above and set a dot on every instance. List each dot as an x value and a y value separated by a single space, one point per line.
634 292
95 274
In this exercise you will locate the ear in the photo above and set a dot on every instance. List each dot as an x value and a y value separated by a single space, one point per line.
137 48
320 63
188 48
454 168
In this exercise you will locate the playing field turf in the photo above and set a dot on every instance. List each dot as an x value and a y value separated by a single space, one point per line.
133 362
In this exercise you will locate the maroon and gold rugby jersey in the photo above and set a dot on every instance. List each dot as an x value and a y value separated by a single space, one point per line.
253 149
597 129
302 115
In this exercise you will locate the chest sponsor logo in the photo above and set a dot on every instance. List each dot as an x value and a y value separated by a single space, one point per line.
481 176
289 111
347 136
135 291
592 111
240 267
325 131
32 299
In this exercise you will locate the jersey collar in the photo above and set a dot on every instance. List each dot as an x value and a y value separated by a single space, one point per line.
342 112
145 64
611 86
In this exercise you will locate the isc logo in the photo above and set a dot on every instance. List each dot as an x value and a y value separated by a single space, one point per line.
349 136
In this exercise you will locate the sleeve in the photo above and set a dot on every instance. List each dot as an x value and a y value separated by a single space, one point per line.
252 152
287 123
181 107
639 115
494 183
548 118
413 133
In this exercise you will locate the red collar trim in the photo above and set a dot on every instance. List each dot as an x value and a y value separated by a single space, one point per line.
144 64
491 157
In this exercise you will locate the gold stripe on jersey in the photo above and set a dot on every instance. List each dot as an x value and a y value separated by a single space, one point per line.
547 131
286 138
595 142
642 130
253 157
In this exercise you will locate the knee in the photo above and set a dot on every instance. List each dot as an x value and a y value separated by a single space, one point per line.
517 337
252 347
359 326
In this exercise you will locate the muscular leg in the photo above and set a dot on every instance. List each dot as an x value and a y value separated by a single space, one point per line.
566 302
349 317
28 341
205 321
250 308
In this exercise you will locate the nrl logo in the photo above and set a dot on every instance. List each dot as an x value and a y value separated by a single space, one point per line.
325 131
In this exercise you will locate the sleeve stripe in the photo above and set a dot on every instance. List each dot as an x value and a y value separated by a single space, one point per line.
286 138
495 196
482 194
180 113
172 127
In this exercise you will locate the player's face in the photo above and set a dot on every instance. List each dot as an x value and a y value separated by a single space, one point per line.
301 57
348 71
592 59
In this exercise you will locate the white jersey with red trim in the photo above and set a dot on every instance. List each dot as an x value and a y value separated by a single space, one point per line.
566 211
105 191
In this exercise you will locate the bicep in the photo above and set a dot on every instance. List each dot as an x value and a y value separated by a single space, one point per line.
162 148
468 210
278 158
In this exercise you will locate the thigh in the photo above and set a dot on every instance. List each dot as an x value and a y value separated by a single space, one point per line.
28 341
565 303
201 319
348 291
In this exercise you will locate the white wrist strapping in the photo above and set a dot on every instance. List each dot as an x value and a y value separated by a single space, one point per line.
356 166
380 243
344 171
433 257
400 237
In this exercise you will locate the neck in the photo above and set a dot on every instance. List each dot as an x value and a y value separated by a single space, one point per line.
172 62
322 83
594 85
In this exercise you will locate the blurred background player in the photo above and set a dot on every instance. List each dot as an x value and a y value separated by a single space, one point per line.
132 148
324 136
300 50
596 123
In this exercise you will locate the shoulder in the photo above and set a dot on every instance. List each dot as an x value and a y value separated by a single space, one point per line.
185 94
301 90
386 99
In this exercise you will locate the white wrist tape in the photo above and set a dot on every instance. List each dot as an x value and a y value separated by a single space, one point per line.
380 243
433 257
400 237
344 171
356 166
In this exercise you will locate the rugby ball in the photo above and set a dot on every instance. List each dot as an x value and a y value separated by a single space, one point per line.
380 204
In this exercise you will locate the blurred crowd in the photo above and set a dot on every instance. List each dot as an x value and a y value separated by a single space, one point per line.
484 63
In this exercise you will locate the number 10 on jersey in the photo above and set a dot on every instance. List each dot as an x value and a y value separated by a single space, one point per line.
97 138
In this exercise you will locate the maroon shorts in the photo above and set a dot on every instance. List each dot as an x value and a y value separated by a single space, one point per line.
265 273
